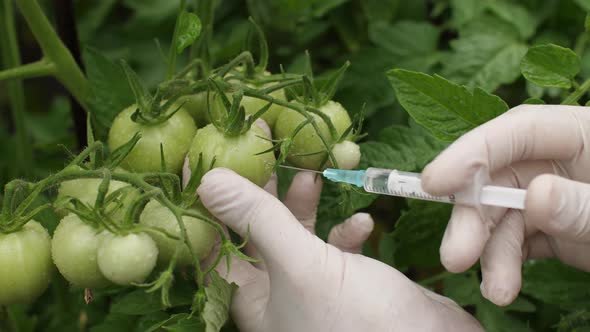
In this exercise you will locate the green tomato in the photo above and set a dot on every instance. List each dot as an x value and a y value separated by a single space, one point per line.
86 191
25 264
175 135
196 105
347 154
307 140
74 249
127 259
201 235
234 152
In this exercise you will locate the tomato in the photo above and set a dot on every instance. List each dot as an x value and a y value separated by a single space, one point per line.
201 235
234 152
86 191
175 134
74 249
196 105
25 264
347 154
307 141
127 259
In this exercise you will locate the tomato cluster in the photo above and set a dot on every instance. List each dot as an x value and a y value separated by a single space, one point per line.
112 232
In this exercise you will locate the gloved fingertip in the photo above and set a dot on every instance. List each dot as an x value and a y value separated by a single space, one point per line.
497 293
214 179
363 222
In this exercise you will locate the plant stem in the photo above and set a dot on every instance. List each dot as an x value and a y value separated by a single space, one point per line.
11 56
67 70
31 70
172 54
573 98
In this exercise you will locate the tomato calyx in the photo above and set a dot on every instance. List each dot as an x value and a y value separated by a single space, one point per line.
150 109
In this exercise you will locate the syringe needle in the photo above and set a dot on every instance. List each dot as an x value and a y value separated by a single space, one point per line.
301 169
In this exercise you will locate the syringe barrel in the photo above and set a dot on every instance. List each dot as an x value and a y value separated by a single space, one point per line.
398 183
408 184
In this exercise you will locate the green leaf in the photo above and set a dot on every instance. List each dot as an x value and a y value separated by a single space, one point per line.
187 324
551 66
416 239
494 319
383 155
405 38
485 61
553 282
464 289
115 322
110 93
219 293
151 322
463 11
412 143
446 109
534 101
585 4
189 29
516 14
138 302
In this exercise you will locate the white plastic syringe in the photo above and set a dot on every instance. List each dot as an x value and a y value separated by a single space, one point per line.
407 184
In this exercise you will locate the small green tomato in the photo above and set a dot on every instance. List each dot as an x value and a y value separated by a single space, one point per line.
127 259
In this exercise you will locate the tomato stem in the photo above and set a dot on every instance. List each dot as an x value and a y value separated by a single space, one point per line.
11 56
31 70
67 70
172 54
573 98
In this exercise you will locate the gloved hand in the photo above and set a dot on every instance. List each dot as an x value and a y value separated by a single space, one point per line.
306 284
540 147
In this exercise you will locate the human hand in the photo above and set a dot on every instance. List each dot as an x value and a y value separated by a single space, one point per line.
306 284
540 147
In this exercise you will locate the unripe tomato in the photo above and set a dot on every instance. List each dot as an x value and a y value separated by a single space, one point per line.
25 264
74 249
347 154
86 191
175 135
127 259
234 152
307 140
201 235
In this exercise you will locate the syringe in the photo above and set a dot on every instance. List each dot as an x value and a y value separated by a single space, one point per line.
408 184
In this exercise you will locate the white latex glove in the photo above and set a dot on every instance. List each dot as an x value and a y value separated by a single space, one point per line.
540 147
306 284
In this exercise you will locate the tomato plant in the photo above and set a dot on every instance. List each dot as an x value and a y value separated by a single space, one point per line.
105 151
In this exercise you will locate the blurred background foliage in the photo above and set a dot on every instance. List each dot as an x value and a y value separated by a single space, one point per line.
472 42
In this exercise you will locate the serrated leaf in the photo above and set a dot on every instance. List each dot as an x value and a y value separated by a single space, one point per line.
383 155
485 61
447 109
417 235
550 66
553 282
219 294
189 29
585 4
494 319
413 144
464 11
